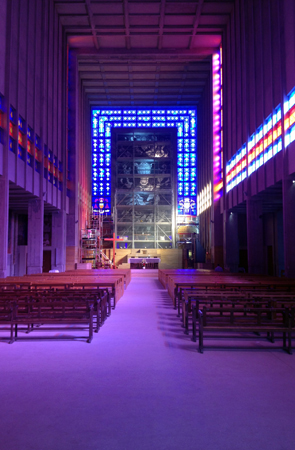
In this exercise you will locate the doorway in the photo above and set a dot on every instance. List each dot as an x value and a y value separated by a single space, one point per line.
46 260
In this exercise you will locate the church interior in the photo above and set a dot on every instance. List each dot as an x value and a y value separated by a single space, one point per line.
83 82
147 155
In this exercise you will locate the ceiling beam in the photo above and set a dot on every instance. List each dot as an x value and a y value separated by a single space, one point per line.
196 22
126 20
153 53
147 67
191 75
143 82
91 23
141 97
161 24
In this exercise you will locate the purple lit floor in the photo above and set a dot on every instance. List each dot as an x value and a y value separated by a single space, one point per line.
142 385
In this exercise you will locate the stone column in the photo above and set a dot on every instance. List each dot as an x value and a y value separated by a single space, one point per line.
255 236
72 233
216 225
231 235
59 241
4 200
35 236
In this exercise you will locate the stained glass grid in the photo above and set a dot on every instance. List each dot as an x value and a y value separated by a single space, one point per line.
262 145
103 120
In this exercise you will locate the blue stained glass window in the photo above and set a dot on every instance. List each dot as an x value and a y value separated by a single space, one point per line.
193 189
185 123
12 114
12 144
30 159
180 174
180 159
186 189
30 133
21 124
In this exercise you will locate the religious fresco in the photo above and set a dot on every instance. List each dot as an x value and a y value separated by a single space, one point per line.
144 216
125 168
144 188
144 184
125 215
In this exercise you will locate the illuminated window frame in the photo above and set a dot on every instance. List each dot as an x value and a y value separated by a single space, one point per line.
103 120
262 145
1 118
204 199
266 142
236 169
217 79
289 118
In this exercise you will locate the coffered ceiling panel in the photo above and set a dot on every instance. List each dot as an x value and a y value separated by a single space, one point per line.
144 52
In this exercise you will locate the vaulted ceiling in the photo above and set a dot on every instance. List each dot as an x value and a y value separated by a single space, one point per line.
144 52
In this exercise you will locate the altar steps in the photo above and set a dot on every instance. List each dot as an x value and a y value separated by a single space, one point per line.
124 266
153 273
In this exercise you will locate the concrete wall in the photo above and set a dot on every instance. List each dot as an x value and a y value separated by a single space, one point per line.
32 81
259 72
259 56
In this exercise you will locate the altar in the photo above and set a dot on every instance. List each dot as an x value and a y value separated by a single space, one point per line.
140 263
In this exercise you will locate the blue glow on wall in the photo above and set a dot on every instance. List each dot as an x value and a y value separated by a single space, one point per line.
103 120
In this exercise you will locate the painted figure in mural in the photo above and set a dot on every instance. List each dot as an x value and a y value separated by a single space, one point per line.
125 150
145 185
162 217
126 169
161 151
142 217
145 150
142 199
164 168
163 183
125 183
143 167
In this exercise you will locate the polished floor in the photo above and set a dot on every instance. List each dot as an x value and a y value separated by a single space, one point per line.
142 385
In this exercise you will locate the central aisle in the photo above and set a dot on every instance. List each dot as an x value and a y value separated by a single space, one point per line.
142 385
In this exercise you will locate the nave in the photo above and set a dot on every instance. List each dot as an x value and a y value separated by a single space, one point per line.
141 384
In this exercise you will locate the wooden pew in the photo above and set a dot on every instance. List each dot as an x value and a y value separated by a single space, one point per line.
226 283
51 289
114 284
99 298
6 318
245 320
216 298
231 298
57 313
207 289
18 283
126 273
163 274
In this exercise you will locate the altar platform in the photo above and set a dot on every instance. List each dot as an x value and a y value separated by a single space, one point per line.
144 263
